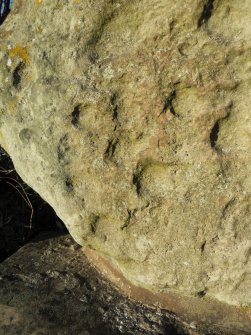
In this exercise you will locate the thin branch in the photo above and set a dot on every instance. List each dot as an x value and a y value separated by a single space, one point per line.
24 196
6 171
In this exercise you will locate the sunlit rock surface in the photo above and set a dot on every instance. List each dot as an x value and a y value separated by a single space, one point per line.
132 119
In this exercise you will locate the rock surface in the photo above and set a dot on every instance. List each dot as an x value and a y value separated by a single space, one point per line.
132 119
49 288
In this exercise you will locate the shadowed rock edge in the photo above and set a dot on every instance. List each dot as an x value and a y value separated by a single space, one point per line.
229 320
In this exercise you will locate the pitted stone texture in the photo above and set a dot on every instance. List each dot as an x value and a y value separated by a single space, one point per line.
132 119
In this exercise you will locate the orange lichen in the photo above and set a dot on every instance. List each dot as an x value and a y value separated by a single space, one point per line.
21 52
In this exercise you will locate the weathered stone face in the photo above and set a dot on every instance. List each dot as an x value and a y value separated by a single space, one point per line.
132 119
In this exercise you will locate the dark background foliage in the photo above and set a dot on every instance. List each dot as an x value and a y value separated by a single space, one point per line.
23 214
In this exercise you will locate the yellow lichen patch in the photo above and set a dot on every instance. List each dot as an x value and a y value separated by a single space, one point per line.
74 180
38 2
21 52
13 104
39 30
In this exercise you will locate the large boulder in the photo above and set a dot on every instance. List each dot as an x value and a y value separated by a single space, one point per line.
132 119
